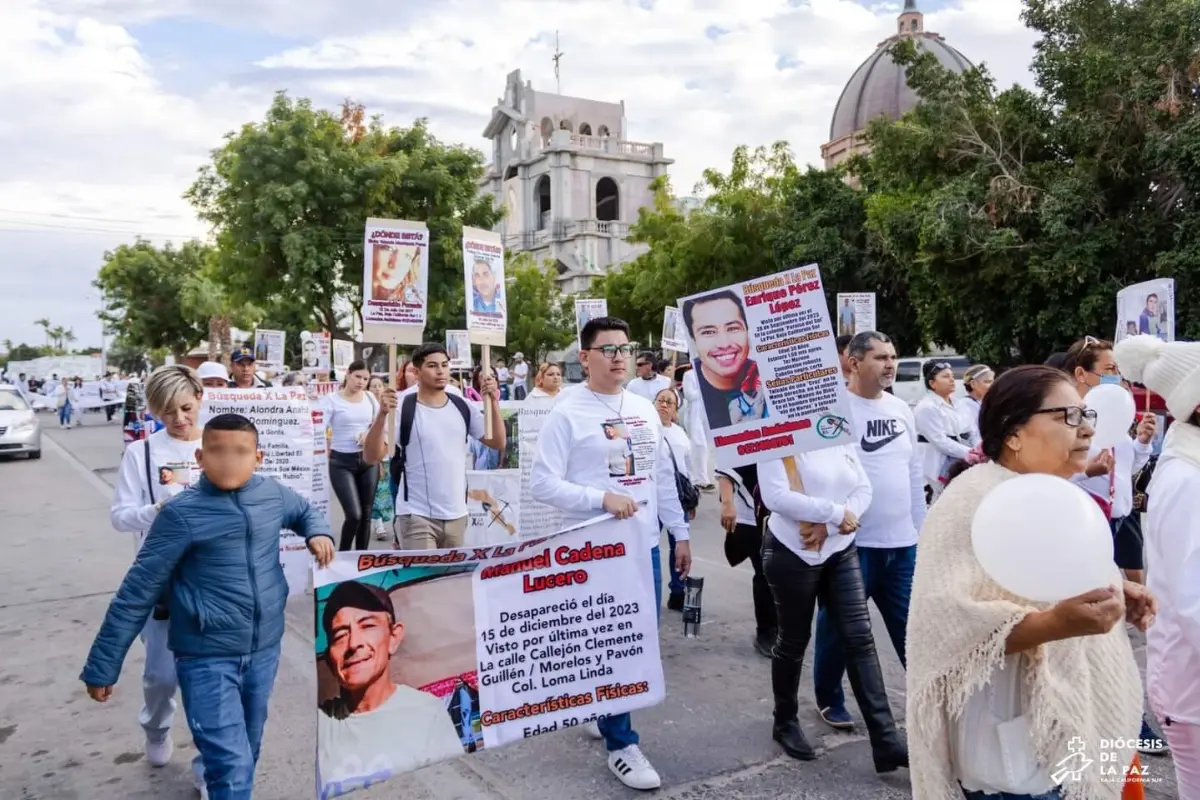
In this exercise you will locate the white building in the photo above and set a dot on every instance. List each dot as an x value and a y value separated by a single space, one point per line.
569 181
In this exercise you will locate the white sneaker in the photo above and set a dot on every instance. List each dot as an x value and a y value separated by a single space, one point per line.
633 769
201 787
159 753
592 730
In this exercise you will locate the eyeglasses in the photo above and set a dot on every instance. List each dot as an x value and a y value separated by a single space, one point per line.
1073 416
611 351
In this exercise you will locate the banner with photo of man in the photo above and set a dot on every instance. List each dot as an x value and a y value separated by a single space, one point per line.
673 335
284 418
1147 308
314 352
424 656
764 356
855 313
396 275
458 350
343 354
483 273
587 310
268 348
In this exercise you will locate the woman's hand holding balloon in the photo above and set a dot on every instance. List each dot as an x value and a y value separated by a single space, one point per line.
1089 614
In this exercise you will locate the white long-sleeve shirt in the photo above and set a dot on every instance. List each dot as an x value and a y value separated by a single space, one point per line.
134 505
1173 575
592 444
834 481
1130 455
887 447
946 433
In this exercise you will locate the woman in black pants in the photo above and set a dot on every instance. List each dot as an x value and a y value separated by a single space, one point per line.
809 553
348 415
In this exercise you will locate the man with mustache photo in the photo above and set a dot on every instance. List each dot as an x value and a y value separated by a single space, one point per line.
729 380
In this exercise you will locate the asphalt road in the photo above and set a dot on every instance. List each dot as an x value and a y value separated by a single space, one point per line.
62 561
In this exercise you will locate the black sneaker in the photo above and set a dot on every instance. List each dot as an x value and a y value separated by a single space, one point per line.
764 646
675 601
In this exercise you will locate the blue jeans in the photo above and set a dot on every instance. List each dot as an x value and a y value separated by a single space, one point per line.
618 729
676 584
1055 794
226 701
64 414
887 574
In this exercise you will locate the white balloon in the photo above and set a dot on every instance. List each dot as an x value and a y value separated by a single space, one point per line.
1043 538
1115 410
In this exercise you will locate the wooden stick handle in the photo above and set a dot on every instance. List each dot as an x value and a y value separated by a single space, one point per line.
797 486
486 363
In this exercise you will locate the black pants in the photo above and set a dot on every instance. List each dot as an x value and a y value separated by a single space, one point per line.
354 482
796 586
764 602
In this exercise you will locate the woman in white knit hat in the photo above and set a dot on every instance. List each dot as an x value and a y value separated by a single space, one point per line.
1172 370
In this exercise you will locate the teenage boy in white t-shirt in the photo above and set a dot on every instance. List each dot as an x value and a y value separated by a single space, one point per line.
601 448
431 506
886 432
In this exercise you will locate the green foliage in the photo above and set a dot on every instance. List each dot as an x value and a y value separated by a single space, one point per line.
22 352
538 319
289 197
142 286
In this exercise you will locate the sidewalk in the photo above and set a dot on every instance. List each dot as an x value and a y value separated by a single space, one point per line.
711 738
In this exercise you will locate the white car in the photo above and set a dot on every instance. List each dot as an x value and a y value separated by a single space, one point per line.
910 385
20 429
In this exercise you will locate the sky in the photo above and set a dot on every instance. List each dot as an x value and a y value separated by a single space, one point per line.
111 106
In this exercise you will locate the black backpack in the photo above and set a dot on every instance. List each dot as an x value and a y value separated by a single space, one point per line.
408 414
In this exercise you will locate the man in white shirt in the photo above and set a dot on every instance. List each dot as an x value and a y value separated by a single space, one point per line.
601 448
429 464
520 375
647 383
886 435
374 727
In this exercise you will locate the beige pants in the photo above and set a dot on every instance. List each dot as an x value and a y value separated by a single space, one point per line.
423 533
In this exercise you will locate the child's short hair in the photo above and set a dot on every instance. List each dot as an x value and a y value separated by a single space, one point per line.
231 422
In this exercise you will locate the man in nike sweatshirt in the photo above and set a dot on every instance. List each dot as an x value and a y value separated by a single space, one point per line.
886 434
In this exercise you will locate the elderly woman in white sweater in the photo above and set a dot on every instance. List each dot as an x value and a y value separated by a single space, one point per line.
1173 548
999 687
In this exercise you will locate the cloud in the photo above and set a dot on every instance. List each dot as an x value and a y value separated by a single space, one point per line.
106 143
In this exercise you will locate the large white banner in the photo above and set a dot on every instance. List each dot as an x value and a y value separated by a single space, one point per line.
523 421
284 419
483 273
395 273
475 648
764 355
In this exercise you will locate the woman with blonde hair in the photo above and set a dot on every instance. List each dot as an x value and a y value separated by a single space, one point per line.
153 470
547 382
1000 688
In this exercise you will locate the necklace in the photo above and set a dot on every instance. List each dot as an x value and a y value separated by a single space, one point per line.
618 410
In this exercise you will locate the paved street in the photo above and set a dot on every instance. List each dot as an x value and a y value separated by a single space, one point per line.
711 738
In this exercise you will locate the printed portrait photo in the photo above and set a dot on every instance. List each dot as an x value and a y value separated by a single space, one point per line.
730 384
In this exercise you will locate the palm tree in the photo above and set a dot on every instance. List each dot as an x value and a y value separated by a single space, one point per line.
204 298
57 334
8 345
44 324
68 337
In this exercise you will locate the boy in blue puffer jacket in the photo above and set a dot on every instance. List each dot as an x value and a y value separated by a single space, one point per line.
213 551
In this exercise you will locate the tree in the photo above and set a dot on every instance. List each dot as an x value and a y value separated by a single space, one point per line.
21 352
206 299
538 320
288 199
44 324
142 286
126 357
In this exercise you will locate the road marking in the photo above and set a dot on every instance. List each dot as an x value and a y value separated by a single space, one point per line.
89 477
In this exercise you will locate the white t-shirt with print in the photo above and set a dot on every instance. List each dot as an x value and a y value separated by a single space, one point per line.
173 468
434 463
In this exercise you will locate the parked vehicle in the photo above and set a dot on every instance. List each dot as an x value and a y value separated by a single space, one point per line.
20 429
909 384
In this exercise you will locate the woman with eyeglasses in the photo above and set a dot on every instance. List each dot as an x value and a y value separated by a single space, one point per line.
942 427
999 687
1108 476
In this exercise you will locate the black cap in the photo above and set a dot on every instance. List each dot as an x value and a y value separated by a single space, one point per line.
353 594
242 353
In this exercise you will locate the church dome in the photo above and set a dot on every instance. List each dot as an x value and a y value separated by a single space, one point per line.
878 88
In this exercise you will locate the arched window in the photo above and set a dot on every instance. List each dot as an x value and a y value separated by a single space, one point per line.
608 200
565 125
603 132
585 129
541 201
913 25
510 173
547 130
